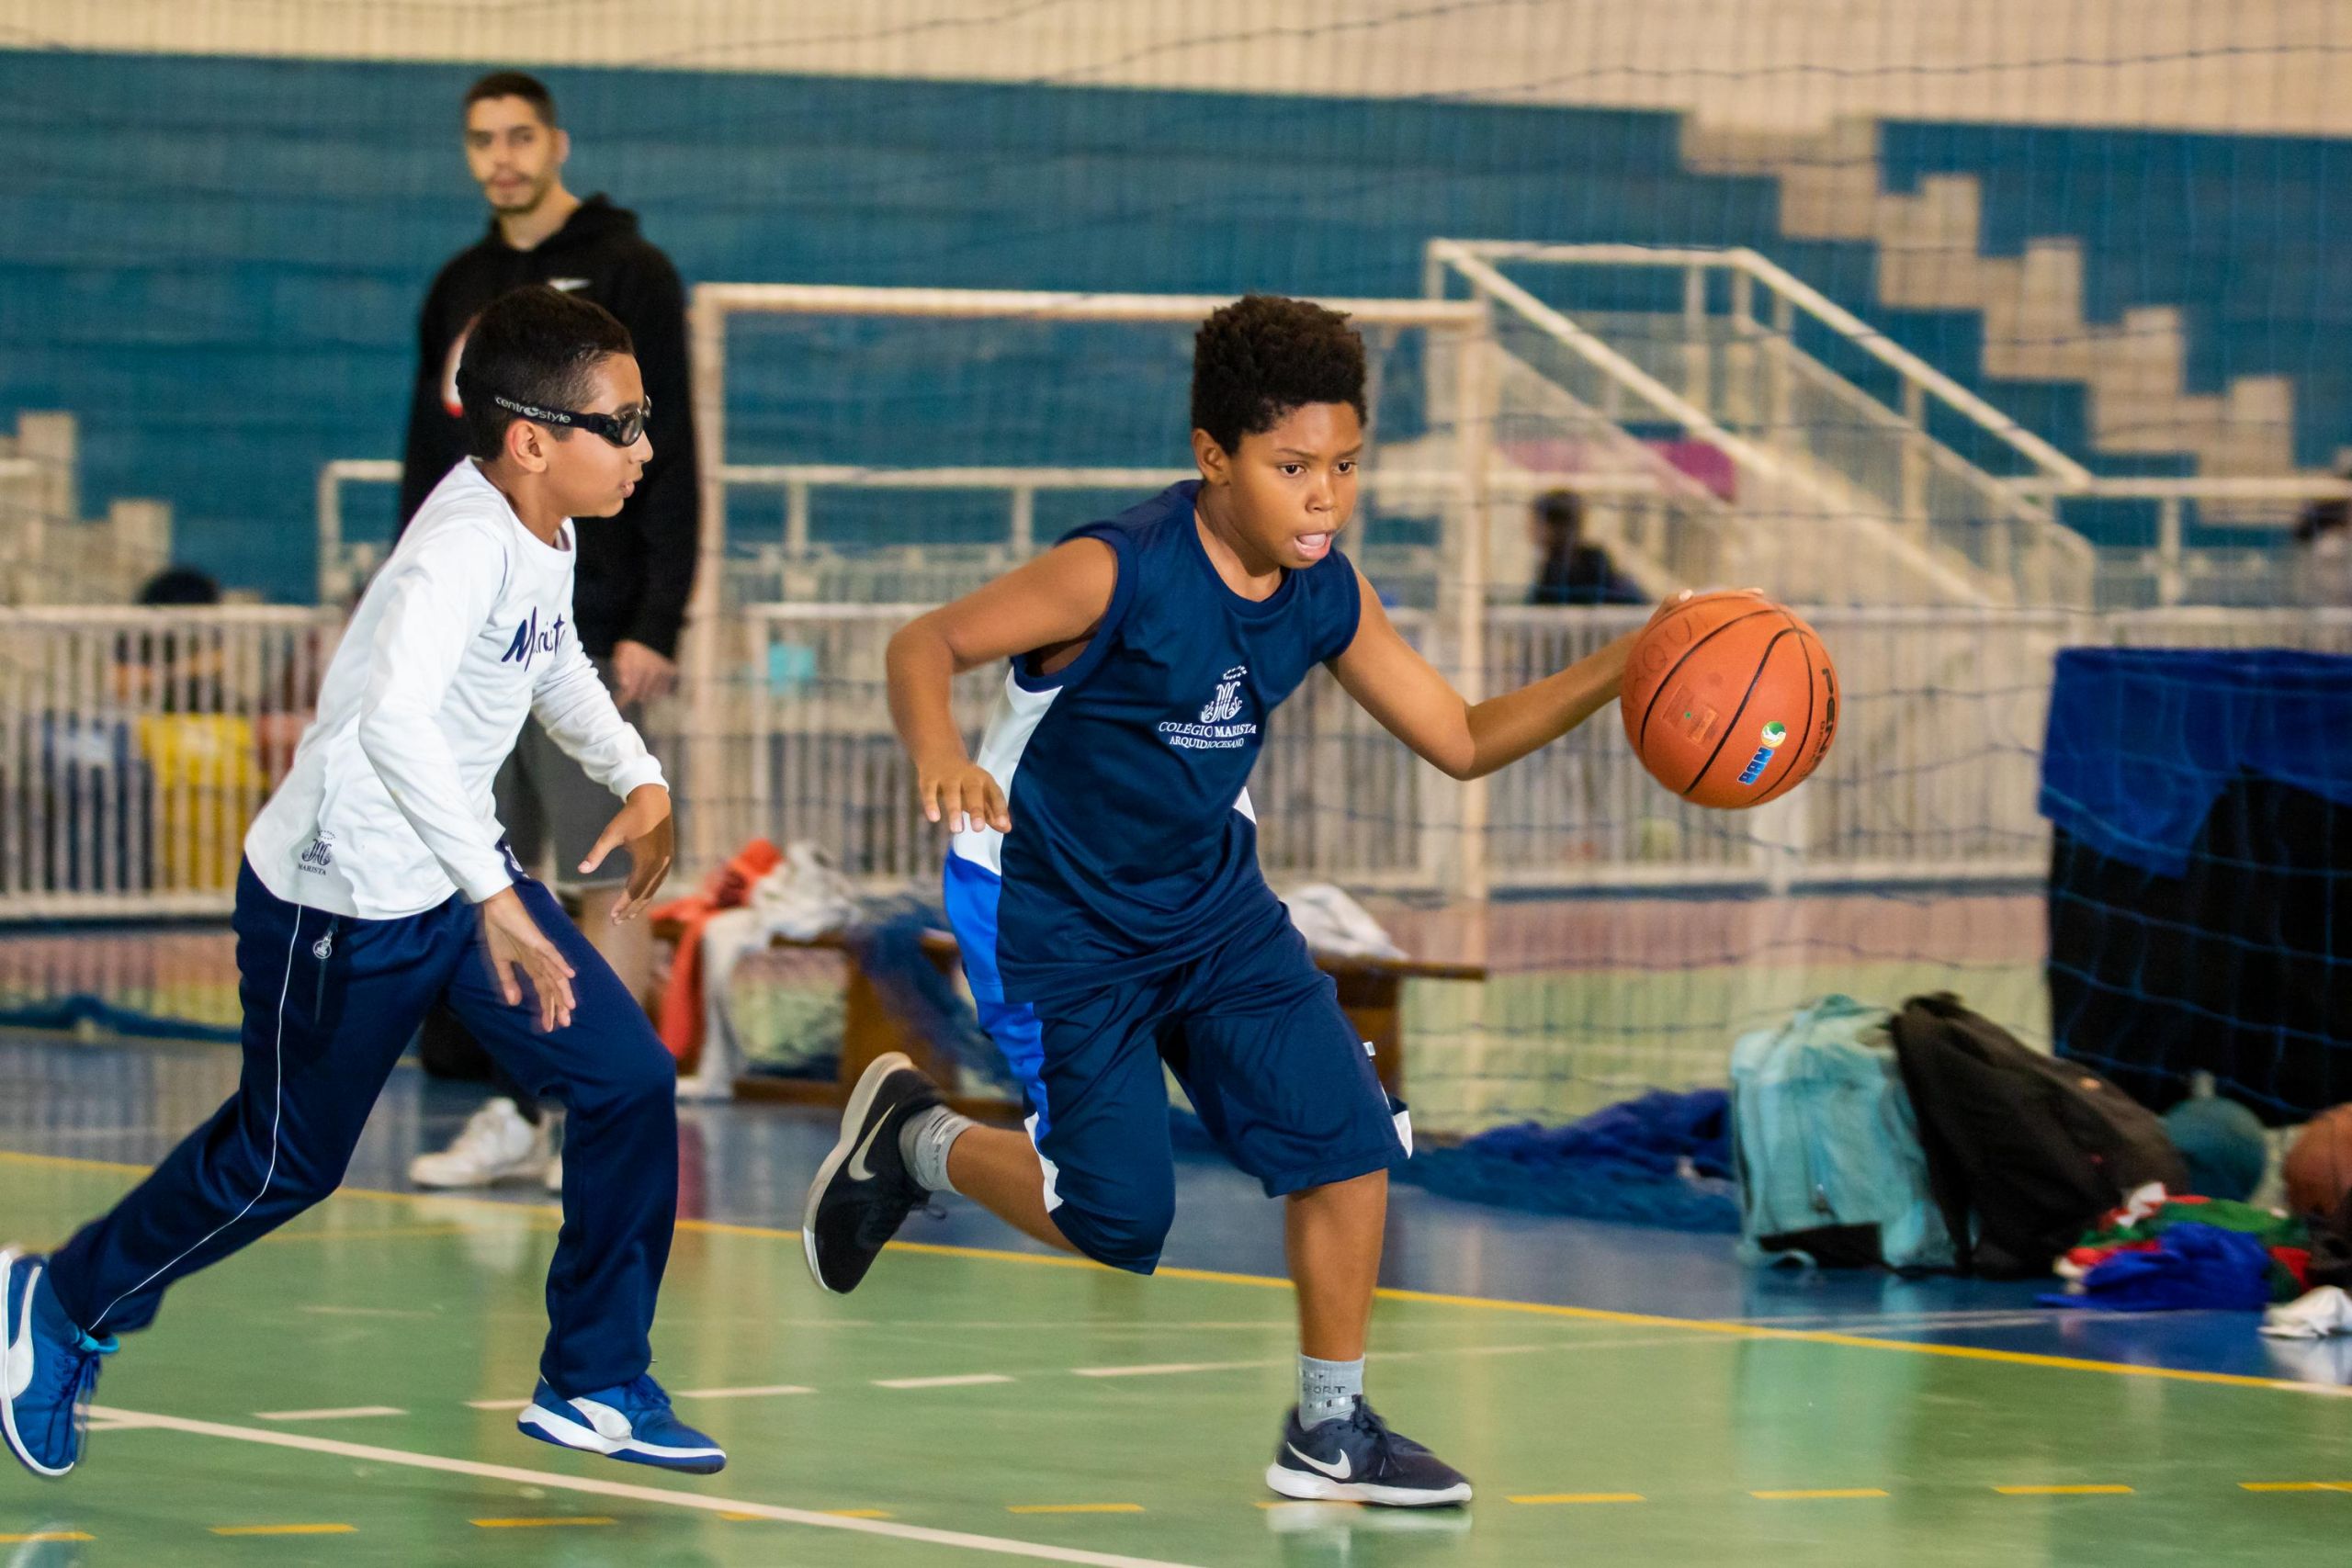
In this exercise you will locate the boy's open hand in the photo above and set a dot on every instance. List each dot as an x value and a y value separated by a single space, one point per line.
644 825
964 795
518 948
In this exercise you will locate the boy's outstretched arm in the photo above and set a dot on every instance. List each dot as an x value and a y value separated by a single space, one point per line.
1049 607
1414 703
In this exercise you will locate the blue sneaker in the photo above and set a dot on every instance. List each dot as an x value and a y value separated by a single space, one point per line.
49 1369
632 1421
1356 1459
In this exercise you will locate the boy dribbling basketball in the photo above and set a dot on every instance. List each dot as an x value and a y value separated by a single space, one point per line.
1103 882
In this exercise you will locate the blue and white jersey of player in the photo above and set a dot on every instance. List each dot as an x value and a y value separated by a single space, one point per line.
1134 845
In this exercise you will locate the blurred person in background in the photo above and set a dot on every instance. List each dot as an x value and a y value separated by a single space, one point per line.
2323 549
1570 571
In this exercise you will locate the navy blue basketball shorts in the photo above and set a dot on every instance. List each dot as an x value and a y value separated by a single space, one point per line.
1255 1033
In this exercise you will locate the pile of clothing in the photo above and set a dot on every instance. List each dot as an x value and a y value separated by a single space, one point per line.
2326 1308
797 892
2161 1251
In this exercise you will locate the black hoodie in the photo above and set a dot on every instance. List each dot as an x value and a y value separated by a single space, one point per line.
636 568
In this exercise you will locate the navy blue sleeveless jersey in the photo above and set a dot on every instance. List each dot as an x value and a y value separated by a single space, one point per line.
1134 847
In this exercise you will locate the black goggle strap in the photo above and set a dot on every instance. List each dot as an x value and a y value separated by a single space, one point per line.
621 430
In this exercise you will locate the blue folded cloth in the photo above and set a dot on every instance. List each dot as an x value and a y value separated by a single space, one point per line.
2193 1266
1662 1159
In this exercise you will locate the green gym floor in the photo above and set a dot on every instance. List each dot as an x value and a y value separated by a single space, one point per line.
341 1393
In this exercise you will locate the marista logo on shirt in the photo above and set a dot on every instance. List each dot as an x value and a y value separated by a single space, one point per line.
530 641
1216 731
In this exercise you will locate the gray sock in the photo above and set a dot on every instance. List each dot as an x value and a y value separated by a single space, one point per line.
924 1141
1327 1390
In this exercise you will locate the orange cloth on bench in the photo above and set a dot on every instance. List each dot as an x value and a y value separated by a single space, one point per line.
728 888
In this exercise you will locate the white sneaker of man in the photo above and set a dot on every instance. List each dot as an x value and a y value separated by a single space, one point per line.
497 1146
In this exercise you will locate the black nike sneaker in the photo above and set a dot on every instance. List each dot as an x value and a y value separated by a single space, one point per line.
1356 1459
863 1191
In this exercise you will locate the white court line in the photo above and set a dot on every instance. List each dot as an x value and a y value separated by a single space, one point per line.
1895 1321
740 1393
970 1380
1165 1368
349 1411
498 1405
556 1481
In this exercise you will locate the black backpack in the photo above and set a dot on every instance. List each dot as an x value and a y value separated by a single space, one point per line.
2029 1147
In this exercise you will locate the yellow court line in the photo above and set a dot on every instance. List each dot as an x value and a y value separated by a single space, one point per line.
1425 1298
2063 1491
1832 1495
2296 1486
285 1529
544 1523
1551 1497
46 1535
1073 1508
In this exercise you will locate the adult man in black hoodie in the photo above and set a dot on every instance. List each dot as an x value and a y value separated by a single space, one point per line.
635 569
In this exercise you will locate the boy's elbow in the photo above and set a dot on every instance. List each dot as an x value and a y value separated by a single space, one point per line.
1460 763
916 641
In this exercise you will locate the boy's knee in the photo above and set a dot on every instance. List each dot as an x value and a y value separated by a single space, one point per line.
651 1074
1129 1239
300 1184
639 1075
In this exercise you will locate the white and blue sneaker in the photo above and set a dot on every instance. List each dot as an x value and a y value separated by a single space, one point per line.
49 1369
633 1422
1356 1459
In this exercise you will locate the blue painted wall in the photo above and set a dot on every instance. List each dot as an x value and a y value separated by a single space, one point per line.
222 281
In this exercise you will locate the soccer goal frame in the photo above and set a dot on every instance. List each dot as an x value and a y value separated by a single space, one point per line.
1459 327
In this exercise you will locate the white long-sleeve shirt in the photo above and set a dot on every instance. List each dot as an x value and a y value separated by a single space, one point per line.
466 629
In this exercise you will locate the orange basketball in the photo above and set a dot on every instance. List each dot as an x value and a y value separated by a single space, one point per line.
1729 699
2318 1170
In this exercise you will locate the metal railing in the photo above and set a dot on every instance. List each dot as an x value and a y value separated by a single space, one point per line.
135 746
1846 482
1644 509
344 565
2170 571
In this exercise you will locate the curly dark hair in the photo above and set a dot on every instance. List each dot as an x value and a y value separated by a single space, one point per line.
1259 358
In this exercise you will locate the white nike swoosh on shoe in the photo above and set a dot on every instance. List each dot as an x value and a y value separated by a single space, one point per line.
858 1169
1339 1471
593 1438
17 1355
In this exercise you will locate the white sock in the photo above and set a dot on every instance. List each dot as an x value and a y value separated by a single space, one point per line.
923 1142
1327 1390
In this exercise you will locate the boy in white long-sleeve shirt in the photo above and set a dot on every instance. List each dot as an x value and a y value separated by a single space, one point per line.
375 881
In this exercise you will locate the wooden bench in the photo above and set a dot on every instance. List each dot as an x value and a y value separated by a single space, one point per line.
1372 990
